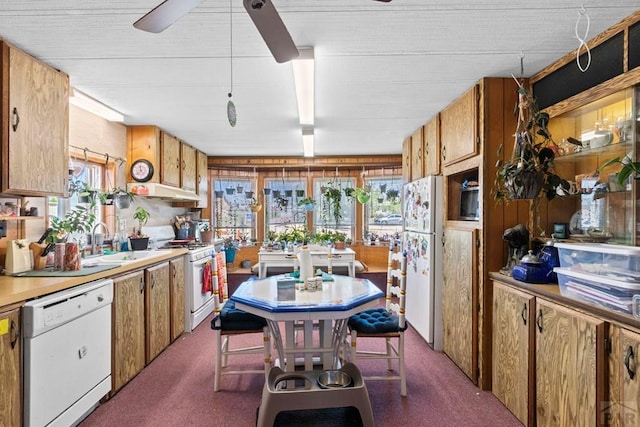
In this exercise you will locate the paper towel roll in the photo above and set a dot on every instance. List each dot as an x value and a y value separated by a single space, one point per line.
306 266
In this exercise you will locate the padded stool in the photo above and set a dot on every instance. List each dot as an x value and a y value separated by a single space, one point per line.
276 399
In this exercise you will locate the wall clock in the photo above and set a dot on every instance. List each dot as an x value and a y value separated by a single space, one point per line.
142 170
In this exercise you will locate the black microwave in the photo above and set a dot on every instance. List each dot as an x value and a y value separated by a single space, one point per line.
469 206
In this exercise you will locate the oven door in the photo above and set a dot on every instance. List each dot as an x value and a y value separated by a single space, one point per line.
197 299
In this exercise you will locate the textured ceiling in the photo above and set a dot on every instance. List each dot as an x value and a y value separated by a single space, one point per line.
382 69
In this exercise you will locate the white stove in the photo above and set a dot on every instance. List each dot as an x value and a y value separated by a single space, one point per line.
198 304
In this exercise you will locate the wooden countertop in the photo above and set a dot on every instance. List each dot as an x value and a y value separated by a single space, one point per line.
18 289
552 292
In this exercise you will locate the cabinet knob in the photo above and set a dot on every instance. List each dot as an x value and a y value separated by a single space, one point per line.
539 320
523 313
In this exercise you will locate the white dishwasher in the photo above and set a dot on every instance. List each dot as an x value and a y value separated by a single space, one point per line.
67 354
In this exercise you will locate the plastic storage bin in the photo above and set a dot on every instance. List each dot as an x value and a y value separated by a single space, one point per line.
616 262
614 294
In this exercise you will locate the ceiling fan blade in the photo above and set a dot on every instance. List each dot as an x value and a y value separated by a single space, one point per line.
270 26
165 14
384 1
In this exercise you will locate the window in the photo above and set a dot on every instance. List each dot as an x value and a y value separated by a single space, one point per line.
281 202
231 208
324 217
383 213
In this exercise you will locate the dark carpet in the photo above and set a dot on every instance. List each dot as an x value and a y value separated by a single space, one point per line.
176 389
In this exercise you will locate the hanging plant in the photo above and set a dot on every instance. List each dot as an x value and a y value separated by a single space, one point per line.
288 193
276 194
255 206
530 172
383 188
230 190
392 193
240 188
333 197
349 192
248 194
363 194
308 203
219 194
299 193
266 191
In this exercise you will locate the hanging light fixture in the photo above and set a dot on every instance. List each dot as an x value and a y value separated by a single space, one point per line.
231 107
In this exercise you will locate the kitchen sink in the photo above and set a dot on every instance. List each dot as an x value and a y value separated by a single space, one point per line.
127 257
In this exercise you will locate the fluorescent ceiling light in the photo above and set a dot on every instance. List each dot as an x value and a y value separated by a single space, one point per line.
303 76
89 104
307 142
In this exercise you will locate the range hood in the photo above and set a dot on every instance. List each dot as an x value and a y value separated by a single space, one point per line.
161 191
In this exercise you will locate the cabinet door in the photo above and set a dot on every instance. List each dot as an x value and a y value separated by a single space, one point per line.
459 128
513 350
623 407
38 128
417 155
10 390
188 167
158 311
203 180
567 374
170 160
177 298
406 160
431 135
459 299
128 329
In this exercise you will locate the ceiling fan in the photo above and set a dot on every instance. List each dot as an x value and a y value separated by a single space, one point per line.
262 12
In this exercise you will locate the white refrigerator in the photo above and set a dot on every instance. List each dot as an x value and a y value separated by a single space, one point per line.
422 208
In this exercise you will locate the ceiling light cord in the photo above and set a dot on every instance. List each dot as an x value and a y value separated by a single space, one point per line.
231 46
582 40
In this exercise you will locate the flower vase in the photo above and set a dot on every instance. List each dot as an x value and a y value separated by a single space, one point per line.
230 255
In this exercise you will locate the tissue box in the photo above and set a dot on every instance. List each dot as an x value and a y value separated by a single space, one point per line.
286 289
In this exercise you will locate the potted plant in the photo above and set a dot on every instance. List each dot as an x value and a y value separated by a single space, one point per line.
206 233
138 240
333 198
255 206
230 247
78 220
629 169
530 172
392 193
339 240
308 203
363 194
120 196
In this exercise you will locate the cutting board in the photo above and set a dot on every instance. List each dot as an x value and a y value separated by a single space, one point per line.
84 271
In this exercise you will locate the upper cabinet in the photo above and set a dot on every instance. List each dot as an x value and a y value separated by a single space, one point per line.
170 165
417 154
35 113
406 160
202 172
174 163
459 128
431 136
188 167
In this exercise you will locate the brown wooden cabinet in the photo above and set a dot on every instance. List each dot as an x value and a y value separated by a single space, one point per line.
189 167
623 406
513 350
128 353
10 375
177 297
459 298
417 154
35 113
568 346
157 310
431 135
406 160
170 164
459 128
202 172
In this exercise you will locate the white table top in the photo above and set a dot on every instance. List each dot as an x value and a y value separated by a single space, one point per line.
338 299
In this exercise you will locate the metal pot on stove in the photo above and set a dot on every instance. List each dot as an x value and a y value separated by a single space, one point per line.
531 270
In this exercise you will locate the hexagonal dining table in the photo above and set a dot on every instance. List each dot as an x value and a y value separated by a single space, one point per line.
339 298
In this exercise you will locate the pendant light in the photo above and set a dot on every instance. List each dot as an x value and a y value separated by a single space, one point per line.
231 108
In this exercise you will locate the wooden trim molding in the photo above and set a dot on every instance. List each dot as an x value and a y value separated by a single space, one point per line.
315 163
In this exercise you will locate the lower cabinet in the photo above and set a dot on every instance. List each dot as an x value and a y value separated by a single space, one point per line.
142 317
513 351
128 328
157 318
10 376
459 299
569 346
623 407
549 360
177 297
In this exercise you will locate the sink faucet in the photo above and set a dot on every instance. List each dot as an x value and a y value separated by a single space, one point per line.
94 246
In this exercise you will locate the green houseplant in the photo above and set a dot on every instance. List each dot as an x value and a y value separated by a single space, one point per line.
137 240
530 172
120 196
308 203
332 205
78 220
